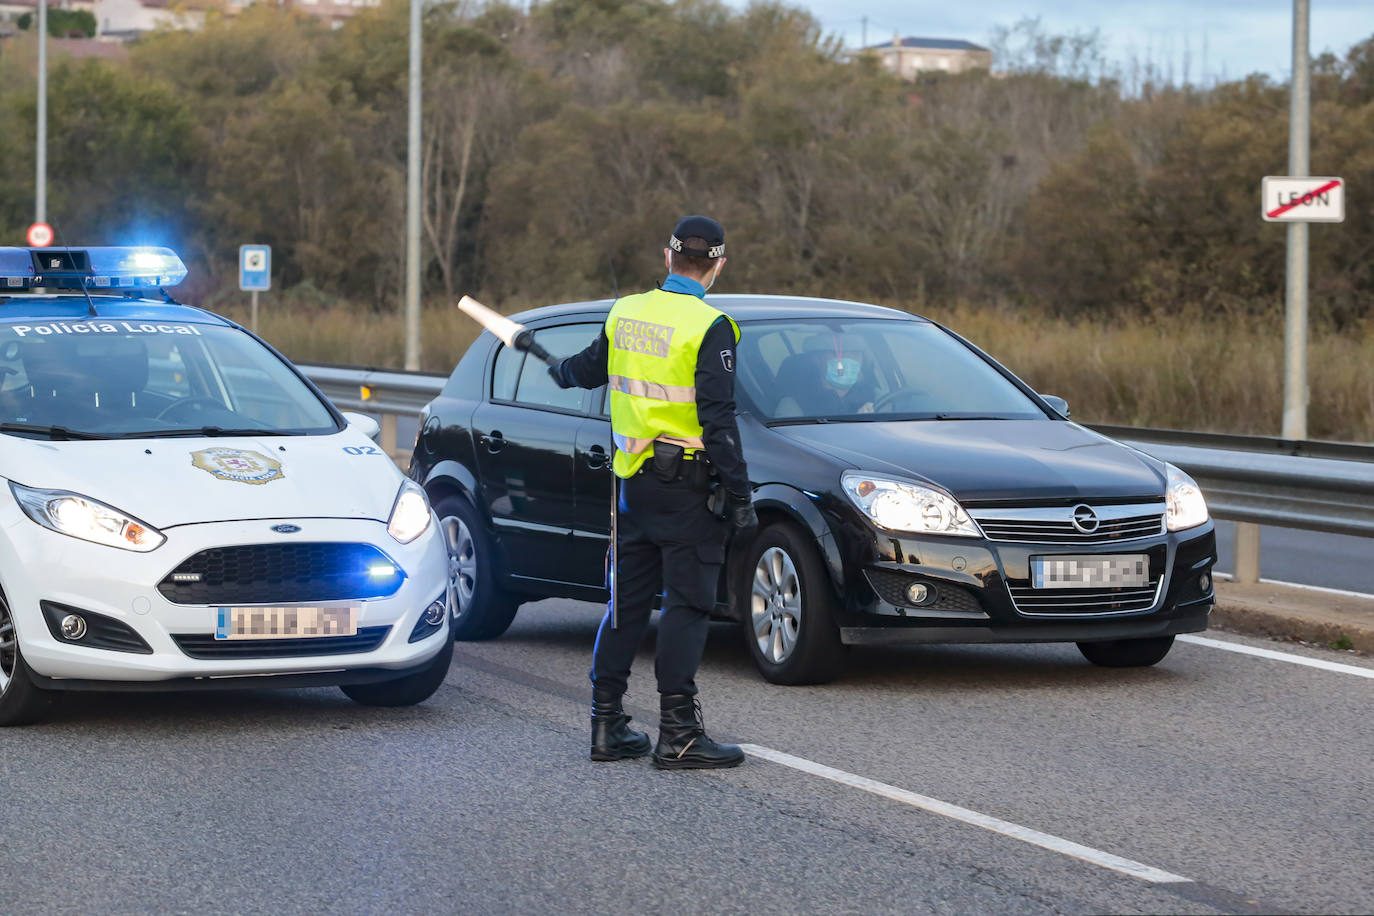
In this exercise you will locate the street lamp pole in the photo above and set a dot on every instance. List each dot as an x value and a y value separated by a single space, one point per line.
412 312
40 195
1295 292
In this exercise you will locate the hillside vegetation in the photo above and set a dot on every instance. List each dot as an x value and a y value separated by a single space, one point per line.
1102 239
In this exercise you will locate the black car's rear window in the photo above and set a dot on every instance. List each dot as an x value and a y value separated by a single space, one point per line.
870 369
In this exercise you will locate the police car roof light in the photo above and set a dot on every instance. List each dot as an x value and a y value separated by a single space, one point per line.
93 268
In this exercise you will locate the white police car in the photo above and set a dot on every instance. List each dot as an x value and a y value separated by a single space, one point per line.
181 509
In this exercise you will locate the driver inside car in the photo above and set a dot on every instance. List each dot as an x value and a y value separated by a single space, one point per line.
836 383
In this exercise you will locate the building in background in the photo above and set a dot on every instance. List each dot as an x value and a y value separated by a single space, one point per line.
126 20
907 57
333 12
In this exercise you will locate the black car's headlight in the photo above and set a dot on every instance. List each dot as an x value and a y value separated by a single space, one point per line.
1184 505
88 519
901 505
409 514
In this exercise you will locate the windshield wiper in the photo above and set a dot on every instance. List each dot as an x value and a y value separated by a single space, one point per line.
207 431
52 432
796 421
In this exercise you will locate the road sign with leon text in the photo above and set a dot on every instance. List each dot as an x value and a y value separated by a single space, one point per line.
255 268
1302 200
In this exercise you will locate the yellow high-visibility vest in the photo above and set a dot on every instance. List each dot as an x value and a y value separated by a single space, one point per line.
652 363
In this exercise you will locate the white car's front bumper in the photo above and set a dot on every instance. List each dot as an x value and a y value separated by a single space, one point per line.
38 565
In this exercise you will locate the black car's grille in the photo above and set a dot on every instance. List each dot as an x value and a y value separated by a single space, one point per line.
1083 601
1055 526
282 574
892 586
204 645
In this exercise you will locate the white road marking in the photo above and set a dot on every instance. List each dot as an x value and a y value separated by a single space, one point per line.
987 822
1311 588
1289 657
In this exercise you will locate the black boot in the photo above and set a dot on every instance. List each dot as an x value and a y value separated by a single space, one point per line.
682 741
612 738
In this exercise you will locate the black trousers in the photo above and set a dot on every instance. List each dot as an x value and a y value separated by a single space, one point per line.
670 543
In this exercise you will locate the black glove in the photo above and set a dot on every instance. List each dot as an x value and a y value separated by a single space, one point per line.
556 373
740 511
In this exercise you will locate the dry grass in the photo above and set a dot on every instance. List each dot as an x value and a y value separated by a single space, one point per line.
1182 372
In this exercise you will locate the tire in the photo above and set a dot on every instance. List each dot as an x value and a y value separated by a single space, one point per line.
479 607
788 613
21 701
408 690
1127 653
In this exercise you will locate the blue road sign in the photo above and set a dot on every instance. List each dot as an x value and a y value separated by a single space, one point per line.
255 268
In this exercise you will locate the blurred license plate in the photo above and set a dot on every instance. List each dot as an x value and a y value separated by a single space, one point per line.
286 622
1091 571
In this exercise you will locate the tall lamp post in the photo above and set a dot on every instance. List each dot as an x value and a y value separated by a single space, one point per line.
1247 564
40 195
412 310
1295 291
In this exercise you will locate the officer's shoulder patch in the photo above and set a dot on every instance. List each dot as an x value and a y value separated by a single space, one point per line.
727 359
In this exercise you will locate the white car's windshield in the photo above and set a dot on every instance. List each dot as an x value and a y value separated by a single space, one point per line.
97 378
870 369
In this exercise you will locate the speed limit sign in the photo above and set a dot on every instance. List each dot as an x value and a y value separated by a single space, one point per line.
39 235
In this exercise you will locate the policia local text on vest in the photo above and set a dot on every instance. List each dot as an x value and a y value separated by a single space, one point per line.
668 360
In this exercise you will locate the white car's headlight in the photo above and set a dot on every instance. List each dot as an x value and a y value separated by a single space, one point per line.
85 518
409 514
900 505
1184 505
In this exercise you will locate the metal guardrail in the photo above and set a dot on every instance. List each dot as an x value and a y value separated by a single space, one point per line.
384 392
1253 480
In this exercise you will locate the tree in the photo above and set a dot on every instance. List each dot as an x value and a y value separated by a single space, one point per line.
63 23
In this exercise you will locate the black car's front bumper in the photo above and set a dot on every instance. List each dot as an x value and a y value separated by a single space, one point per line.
973 581
1066 631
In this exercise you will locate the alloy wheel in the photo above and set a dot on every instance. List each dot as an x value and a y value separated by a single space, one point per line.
775 606
9 648
462 564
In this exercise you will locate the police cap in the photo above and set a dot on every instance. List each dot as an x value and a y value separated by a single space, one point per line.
691 228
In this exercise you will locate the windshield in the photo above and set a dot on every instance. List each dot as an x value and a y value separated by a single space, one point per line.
873 369
100 377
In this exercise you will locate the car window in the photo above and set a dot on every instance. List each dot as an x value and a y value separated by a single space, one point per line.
126 378
167 372
534 387
870 369
506 372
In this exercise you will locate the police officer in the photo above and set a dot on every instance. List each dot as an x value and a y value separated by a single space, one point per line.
668 359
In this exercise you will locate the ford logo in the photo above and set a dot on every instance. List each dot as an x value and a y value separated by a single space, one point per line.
286 529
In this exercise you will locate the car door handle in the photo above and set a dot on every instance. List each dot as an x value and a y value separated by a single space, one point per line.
494 443
596 457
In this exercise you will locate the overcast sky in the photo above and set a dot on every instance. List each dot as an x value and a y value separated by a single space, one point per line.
1240 36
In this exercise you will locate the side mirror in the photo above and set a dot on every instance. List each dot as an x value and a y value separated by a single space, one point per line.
1059 404
364 424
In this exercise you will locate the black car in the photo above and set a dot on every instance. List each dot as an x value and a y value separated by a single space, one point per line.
909 488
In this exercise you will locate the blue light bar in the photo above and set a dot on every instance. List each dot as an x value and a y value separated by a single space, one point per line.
16 268
94 268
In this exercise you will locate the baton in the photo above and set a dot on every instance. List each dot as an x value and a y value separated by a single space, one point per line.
512 334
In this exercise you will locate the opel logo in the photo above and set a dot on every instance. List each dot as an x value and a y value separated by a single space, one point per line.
1085 519
292 529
